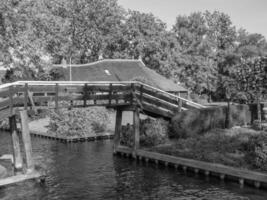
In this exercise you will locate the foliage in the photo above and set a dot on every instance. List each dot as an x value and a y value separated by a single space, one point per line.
79 122
152 132
244 148
204 51
192 123
58 73
257 151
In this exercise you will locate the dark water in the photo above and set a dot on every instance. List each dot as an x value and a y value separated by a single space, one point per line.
90 171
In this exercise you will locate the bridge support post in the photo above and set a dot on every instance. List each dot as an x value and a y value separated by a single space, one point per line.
26 140
136 125
15 143
117 130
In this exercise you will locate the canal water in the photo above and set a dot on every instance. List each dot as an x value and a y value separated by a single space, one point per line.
90 171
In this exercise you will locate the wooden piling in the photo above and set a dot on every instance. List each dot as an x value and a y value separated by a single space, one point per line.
136 123
117 130
26 140
15 143
26 96
56 97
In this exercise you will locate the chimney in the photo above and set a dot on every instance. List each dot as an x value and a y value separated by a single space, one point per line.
100 57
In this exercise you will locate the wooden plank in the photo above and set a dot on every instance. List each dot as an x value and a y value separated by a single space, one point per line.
5 113
4 92
4 103
15 143
136 123
159 95
42 88
117 129
19 178
26 140
158 102
157 111
105 88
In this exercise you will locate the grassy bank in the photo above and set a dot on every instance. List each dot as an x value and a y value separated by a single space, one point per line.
240 147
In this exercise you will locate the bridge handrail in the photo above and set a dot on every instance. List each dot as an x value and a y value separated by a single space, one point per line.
152 95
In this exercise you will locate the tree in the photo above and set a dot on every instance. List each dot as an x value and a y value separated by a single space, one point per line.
195 63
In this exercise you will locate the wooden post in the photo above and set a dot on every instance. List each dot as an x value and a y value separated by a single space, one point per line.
26 140
15 143
117 130
56 97
11 102
85 94
136 124
141 94
132 89
26 96
110 93
180 104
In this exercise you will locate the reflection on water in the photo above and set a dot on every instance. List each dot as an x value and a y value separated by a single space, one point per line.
90 171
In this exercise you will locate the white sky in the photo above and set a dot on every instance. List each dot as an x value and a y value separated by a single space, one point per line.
248 14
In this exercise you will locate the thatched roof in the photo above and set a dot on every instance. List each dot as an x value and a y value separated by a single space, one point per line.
121 70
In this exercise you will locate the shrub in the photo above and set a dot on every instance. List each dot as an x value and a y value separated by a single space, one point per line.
195 122
79 122
215 147
58 74
152 132
256 151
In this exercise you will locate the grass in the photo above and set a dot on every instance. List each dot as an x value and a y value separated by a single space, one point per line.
236 147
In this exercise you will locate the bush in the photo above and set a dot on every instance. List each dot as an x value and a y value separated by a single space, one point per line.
215 146
79 122
256 151
152 133
195 122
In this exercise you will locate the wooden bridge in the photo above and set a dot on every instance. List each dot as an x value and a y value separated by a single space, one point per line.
22 96
32 94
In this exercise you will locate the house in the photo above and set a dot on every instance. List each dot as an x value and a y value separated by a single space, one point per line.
122 70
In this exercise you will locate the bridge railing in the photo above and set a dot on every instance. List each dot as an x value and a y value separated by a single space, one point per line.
82 94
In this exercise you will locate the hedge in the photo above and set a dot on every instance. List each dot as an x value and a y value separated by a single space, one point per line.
197 121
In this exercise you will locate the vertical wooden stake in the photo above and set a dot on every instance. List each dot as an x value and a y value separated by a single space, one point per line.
141 94
85 94
26 96
180 105
136 123
132 96
56 97
110 93
15 143
26 140
11 101
117 130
